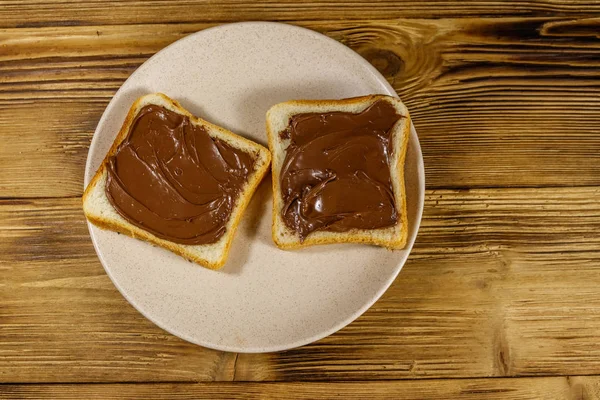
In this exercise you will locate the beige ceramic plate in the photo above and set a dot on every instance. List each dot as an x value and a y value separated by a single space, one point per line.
264 299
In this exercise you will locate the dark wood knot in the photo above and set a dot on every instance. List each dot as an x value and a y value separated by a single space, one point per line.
387 62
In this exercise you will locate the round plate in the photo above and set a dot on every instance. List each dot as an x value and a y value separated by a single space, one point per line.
263 299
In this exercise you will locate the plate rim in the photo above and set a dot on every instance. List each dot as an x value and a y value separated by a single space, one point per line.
346 321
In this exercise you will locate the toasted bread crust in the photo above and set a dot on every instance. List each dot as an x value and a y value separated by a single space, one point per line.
138 233
352 236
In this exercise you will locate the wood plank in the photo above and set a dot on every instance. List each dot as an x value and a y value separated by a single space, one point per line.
35 13
577 387
502 282
496 102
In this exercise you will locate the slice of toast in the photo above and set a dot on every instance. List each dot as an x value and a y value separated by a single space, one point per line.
278 119
100 211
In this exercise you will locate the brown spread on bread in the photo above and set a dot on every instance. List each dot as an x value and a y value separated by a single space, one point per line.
171 178
336 172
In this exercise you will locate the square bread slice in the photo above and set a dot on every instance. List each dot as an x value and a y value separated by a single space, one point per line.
101 213
278 119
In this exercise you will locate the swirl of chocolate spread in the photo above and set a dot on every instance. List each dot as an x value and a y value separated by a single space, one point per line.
172 179
336 172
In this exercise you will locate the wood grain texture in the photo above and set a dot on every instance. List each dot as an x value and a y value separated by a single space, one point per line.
501 282
44 147
576 388
496 102
34 13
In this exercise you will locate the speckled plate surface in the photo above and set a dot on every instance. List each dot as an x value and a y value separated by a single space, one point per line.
264 299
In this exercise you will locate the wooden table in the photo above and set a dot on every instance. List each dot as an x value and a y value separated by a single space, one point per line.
501 295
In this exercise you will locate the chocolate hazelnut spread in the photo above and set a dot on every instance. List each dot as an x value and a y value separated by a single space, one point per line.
336 173
171 178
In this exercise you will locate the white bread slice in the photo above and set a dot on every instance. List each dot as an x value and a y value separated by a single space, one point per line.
101 213
278 118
